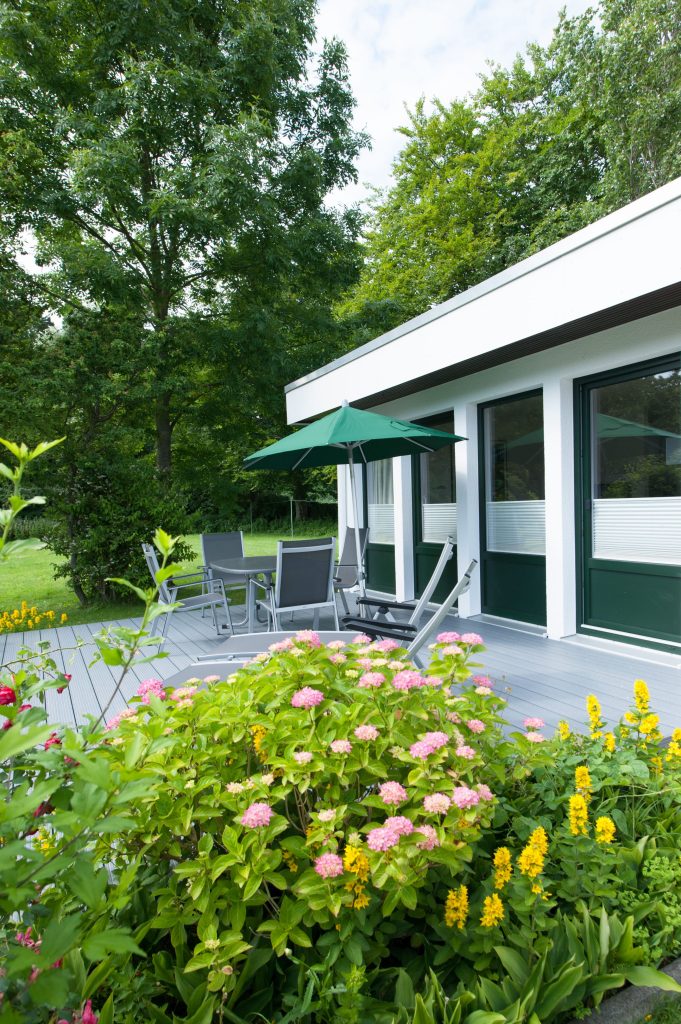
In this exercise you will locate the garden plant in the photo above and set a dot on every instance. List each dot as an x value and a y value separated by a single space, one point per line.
330 835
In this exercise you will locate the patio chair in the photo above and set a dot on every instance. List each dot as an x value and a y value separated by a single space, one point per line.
387 609
212 592
216 546
304 580
247 645
345 570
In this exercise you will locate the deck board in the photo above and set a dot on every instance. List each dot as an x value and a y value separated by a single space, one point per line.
538 677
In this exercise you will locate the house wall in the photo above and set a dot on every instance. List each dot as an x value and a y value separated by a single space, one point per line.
554 371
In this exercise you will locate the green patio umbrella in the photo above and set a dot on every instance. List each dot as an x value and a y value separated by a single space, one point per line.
350 436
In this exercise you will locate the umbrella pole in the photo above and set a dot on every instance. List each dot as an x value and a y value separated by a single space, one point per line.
358 544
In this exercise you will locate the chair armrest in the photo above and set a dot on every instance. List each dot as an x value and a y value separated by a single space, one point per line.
263 586
203 570
405 605
390 630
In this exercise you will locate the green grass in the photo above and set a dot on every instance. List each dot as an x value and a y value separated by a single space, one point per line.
668 1013
30 577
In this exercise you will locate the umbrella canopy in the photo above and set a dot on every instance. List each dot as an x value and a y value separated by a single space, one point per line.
350 435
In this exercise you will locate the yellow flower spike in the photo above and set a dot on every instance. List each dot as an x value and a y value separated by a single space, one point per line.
593 707
502 867
609 742
563 730
492 911
456 907
539 841
356 862
579 815
674 749
605 830
648 727
583 781
641 697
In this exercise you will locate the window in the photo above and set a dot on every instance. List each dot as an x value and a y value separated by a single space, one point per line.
438 488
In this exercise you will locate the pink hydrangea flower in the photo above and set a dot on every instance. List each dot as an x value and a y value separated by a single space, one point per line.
329 865
483 681
399 824
184 693
436 739
211 679
471 638
392 793
308 697
451 650
370 679
433 681
361 638
257 815
484 691
281 645
149 688
366 732
484 791
337 659
327 815
534 723
235 787
302 756
114 722
421 750
335 645
467 752
428 744
437 803
453 716
464 797
448 638
308 636
385 645
534 737
408 679
341 746
431 840
396 664
365 663
475 725
381 839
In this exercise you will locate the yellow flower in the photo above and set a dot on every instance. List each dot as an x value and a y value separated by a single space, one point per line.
258 732
502 867
579 815
605 830
290 861
674 749
361 899
609 742
641 697
656 763
583 780
531 861
563 730
676 735
64 618
492 911
356 862
456 907
630 717
648 727
593 708
539 841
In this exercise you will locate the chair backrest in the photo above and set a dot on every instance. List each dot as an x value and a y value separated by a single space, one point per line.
151 559
447 552
305 572
215 546
346 570
443 611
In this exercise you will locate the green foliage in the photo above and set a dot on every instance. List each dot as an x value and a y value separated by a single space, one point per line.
568 133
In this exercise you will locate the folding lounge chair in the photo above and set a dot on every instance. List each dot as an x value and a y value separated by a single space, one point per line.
386 609
212 592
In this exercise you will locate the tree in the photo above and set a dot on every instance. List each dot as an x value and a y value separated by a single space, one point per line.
568 133
172 160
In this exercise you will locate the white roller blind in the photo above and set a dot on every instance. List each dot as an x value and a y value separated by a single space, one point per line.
516 526
438 522
382 524
637 529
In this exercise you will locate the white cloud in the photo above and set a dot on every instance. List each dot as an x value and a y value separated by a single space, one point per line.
400 50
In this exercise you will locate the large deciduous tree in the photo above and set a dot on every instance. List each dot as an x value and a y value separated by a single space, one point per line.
172 160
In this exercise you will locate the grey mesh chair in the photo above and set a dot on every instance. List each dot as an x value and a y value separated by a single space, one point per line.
215 547
345 571
304 580
387 609
212 592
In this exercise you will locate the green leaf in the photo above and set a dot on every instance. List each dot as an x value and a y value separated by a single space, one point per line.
106 1014
113 940
514 965
554 993
59 937
649 977
86 883
15 740
134 748
404 990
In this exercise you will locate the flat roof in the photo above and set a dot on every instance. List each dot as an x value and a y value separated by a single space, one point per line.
623 266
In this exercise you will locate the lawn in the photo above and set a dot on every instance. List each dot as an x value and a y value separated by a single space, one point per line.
668 1013
30 577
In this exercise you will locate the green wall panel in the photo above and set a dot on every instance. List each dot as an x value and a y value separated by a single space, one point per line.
425 560
380 559
514 586
635 599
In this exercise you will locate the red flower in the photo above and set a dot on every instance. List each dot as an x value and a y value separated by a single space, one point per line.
67 677
52 741
7 695
7 724
87 1016
43 808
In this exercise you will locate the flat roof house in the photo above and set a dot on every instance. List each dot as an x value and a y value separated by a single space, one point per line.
564 374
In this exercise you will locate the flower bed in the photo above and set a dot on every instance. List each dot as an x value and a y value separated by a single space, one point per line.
333 835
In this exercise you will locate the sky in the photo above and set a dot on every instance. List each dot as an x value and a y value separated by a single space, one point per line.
400 50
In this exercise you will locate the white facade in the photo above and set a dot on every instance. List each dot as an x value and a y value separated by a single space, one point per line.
630 254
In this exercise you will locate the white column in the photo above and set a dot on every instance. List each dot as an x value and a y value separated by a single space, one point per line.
343 499
559 462
404 529
467 503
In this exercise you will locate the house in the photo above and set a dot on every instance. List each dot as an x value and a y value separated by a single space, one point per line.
564 374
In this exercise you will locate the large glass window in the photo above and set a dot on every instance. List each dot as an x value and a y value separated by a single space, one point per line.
438 488
380 502
514 475
636 468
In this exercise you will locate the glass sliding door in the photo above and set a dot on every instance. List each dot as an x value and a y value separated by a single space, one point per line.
380 518
512 506
630 423
434 509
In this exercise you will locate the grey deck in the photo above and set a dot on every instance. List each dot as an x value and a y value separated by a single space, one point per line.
538 677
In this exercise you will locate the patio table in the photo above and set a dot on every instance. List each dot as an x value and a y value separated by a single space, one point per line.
249 568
